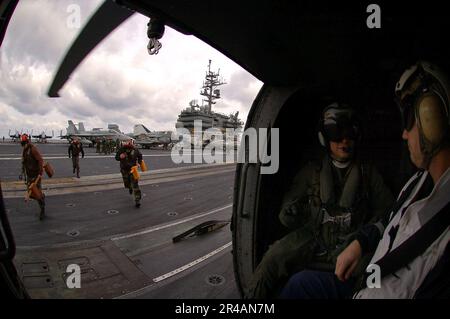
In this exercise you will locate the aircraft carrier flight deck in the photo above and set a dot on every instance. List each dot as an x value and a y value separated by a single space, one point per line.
123 251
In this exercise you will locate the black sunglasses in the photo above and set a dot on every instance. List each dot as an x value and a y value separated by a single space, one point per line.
407 113
338 133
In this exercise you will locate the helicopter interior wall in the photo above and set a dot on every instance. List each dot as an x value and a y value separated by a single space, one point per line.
381 144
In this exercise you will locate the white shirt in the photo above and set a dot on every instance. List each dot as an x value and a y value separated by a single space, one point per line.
409 279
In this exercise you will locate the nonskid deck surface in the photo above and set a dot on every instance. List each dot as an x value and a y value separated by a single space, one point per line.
124 251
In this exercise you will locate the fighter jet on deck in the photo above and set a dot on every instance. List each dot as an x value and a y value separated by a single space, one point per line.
146 138
42 138
97 133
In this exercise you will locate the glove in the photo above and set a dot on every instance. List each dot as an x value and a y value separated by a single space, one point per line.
298 208
292 210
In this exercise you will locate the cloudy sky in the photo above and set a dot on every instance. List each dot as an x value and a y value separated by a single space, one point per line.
117 83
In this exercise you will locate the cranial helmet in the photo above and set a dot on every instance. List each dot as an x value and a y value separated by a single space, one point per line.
422 94
129 143
338 121
24 138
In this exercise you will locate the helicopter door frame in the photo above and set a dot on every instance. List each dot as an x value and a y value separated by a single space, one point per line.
10 283
246 200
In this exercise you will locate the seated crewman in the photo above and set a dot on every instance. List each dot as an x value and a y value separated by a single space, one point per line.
410 247
328 200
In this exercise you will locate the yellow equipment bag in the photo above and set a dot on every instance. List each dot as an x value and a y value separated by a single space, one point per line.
49 169
143 166
33 191
134 171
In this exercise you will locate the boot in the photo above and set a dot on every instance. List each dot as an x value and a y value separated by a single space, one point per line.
42 211
138 204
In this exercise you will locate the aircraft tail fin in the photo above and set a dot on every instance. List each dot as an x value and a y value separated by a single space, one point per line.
114 127
71 129
140 129
81 127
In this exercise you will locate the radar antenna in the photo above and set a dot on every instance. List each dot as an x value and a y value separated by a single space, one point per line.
209 88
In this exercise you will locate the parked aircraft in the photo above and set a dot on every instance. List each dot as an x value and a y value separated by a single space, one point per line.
95 134
14 137
42 138
146 138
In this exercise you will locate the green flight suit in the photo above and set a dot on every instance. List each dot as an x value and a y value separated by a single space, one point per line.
324 206
132 158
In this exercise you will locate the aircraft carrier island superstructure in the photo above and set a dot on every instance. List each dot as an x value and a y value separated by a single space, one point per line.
204 113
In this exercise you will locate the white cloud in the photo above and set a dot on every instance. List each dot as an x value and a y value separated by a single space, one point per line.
117 83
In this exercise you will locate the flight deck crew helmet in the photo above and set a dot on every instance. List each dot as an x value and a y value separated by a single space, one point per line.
338 121
24 139
422 94
129 143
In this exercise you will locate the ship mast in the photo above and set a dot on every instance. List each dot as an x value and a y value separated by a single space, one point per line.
209 88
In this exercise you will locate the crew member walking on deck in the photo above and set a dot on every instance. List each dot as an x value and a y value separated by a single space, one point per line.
32 169
75 149
129 156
